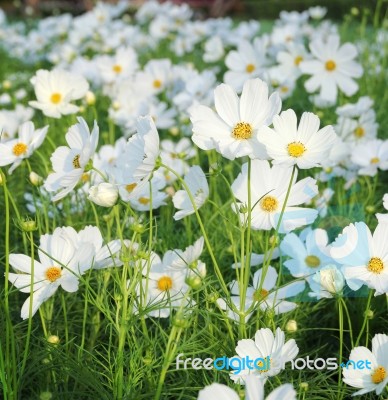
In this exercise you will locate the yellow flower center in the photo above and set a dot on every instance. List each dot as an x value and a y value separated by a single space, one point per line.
359 132
284 89
250 68
379 375
374 160
117 68
269 204
298 60
375 265
157 84
260 294
130 187
76 163
56 98
296 149
144 200
312 261
165 283
19 149
242 130
53 273
330 65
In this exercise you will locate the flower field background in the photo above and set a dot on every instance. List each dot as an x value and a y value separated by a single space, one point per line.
172 186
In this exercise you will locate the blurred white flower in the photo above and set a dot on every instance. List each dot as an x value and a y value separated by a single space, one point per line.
196 182
14 151
55 90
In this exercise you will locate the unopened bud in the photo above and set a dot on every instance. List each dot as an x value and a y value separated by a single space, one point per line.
243 208
174 131
138 228
90 98
369 314
354 11
195 282
28 225
370 209
304 386
36 179
212 297
7 84
53 339
45 396
180 321
291 326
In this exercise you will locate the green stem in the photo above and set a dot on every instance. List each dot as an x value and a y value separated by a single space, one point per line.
349 320
341 330
267 260
10 350
208 246
365 319
26 349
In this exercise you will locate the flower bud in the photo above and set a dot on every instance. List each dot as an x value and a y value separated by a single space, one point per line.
90 98
2 179
354 11
138 228
243 208
7 84
195 282
45 396
212 297
28 225
35 179
291 326
53 339
369 314
180 321
304 386
330 279
174 131
105 194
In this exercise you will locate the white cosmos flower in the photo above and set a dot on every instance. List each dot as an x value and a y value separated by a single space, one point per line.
254 390
245 63
268 193
14 151
69 162
305 145
196 182
264 293
137 163
60 264
265 344
374 378
333 68
233 130
118 67
55 90
364 257
371 156
186 261
308 253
